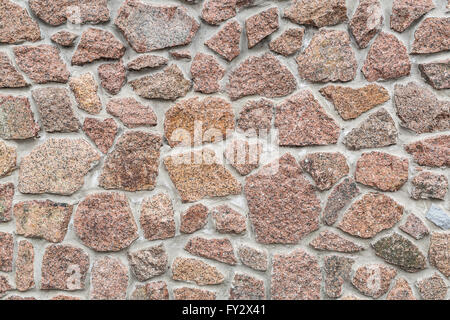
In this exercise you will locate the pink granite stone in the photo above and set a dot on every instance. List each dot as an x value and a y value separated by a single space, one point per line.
216 249
438 252
194 218
373 280
432 152
85 90
9 76
64 38
246 287
206 73
102 133
289 42
195 271
148 262
6 199
17 25
109 279
401 291
151 291
432 35
112 76
25 266
415 227
253 258
6 251
181 54
341 195
8 159
432 288
227 220
243 156
428 185
216 11
16 118
186 293
405 12
157 217
131 112
437 74
261 25
337 271
256 117
330 241
318 13
366 22
226 42
146 61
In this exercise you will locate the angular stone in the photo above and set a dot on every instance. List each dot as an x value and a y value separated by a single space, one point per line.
373 280
146 61
6 199
216 11
64 38
295 276
4 286
432 152
6 251
337 270
415 227
149 262
289 42
318 13
42 219
340 196
330 241
131 112
113 76
405 12
55 109
256 117
387 59
193 121
25 266
168 84
370 215
246 287
64 267
96 44
215 249
328 57
57 166
104 222
428 185
181 54
438 252
432 288
439 217
133 164
9 76
102 133
432 35
261 75
351 103
17 26
227 220
326 168
8 157
302 121
226 42
194 218
157 217
199 174
186 293
148 27
253 258
243 156
151 291
109 279
401 291
437 74
85 89
196 271
16 118
366 22
382 171
206 73
261 25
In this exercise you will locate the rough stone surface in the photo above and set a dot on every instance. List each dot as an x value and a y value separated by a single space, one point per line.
253 258
16 118
401 291
25 266
157 217
215 249
289 42
6 251
186 293
64 38
330 241
9 76
405 12
428 185
227 220
131 112
102 133
246 287
109 279
194 218
439 217
438 252
243 156
216 11
373 280
318 13
4 286
206 73
149 262
432 288
366 22
6 199
196 271
112 76
8 156
341 195
432 152
261 25
437 74
151 291
337 270
181 54
17 26
415 227
85 89
226 42
432 35
147 61
256 117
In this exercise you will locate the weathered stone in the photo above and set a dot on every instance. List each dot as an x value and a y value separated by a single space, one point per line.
184 54
85 89
428 185
387 59
18 298
149 262
330 241
102 133
253 258
8 157
113 76
246 287
432 35
227 220
226 42
62 297
131 112
366 22
261 25
340 196
16 118
146 61
42 219
109 279
206 73
432 288
439 217
328 57
151 291
55 109
415 227
25 266
157 217
196 271
256 117
326 168
401 291
302 121
64 267
295 276
194 218
133 164
186 293
9 76
289 42
148 27
405 12
382 171
261 75
318 13
4 285
6 251
216 11
437 74
351 103
104 222
215 249
6 199
370 215
17 26
337 270
243 156
432 152
168 84
64 38
373 280
57 166
438 252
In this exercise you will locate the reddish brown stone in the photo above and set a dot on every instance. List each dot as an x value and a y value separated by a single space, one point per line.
415 227
62 297
194 218
330 241
318 13
405 12
289 42
215 249
432 35
373 280
6 251
193 294
6 199
216 11
196 271
181 54
16 118
437 74
243 156
113 76
25 266
85 89
4 286
432 152
253 258
428 185
206 73
401 291
146 61
340 196
9 76
102 133
131 112
109 279
432 288
149 262
256 117
17 26
438 252
366 22
246 287
151 291
337 270
226 42
227 220
64 38
261 25
8 157
157 217
18 298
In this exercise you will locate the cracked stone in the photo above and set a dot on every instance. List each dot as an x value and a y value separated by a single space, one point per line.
216 11
25 266
415 227
8 158
373 280
17 26
246 287
101 132
186 293
432 288
147 61
256 117
215 249
132 113
337 271
289 42
194 218
401 291
85 89
226 42
405 12
330 241
366 22
6 251
253 258
151 291
261 25
6 199
432 35
439 217
438 252
64 38
340 197
9 76
196 271
227 220
17 118
149 262
157 217
113 76
427 185
318 13
436 74
206 73
243 156
109 279
432 152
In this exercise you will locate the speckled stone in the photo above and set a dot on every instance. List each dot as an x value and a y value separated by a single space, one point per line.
64 267
109 279
9 76
439 217
17 26
206 73
227 220
199 174
243 156
216 11
432 35
5 286
184 54
104 222
366 22
246 287
350 103
330 241
64 38
261 75
18 298
148 27
62 297
42 219
6 251
341 195
432 288
432 152
318 13
370 215
168 84
131 112
436 74
337 271
253 258
149 262
415 227
373 280
289 42
16 118
61 173
157 217
8 158
112 76
55 109
405 12
151 291
438 252
195 121
101 132
428 185
283 207
226 42
146 61
85 89
215 249
42 63
401 291
194 218
419 109
328 58
302 121
387 59
326 168
133 164
295 276
195 271
256 117
186 293
25 266
261 25
6 199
